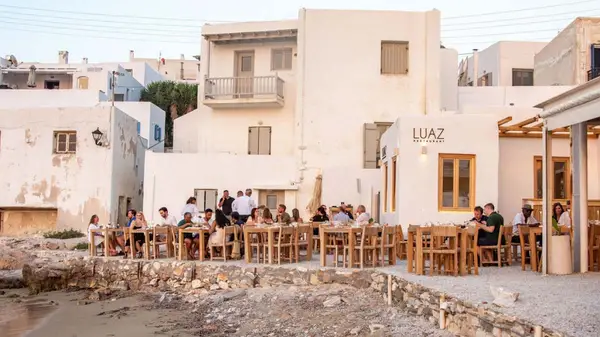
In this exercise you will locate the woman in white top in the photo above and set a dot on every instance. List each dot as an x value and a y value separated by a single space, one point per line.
560 215
99 239
217 229
190 207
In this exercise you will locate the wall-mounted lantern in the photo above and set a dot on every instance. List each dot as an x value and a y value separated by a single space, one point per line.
97 135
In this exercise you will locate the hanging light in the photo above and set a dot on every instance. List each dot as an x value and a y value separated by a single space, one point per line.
97 135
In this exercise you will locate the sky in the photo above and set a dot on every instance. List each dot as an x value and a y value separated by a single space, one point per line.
105 31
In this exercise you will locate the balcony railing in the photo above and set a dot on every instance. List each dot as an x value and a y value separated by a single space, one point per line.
243 91
593 73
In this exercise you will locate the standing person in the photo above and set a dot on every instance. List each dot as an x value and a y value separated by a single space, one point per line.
244 205
166 219
226 203
190 206
252 203
282 216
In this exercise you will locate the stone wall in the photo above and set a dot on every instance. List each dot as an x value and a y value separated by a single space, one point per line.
462 318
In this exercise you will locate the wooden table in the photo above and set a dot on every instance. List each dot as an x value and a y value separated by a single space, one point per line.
533 232
346 230
269 230
194 230
108 236
417 242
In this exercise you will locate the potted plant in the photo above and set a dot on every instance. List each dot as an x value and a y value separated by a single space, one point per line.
559 259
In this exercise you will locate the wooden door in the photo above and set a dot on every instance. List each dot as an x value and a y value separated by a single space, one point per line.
244 74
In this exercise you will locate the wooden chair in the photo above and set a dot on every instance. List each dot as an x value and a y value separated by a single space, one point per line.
593 247
316 240
499 247
226 246
527 247
301 239
367 244
423 235
388 244
442 253
258 242
161 237
401 243
507 246
334 243
473 249
285 243
175 241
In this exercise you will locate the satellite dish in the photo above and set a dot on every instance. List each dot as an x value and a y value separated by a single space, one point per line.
12 60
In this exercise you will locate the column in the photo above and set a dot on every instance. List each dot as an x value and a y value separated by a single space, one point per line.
547 193
580 196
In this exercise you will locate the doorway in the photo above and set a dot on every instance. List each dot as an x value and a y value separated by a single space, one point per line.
52 84
244 74
271 199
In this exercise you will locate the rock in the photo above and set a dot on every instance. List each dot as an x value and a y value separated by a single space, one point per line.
503 297
120 285
214 287
196 284
314 279
52 246
153 282
223 285
233 294
377 330
355 331
332 301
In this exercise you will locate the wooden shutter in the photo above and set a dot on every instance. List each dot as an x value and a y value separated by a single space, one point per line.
371 137
82 82
253 140
61 143
264 140
287 58
394 57
72 142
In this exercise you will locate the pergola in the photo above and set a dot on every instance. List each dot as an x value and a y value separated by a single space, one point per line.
577 112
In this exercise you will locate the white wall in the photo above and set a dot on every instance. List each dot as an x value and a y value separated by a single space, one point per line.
417 173
143 72
16 99
478 97
148 115
170 178
448 82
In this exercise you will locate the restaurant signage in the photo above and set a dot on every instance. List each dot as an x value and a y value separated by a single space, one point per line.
428 135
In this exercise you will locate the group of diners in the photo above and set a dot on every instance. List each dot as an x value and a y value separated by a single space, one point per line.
490 222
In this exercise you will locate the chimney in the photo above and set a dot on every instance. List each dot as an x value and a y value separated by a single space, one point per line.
475 67
63 57
85 60
131 55
182 57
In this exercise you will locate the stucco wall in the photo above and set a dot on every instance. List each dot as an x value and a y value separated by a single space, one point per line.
78 185
448 87
478 97
20 80
417 173
517 169
170 178
556 63
17 99
148 115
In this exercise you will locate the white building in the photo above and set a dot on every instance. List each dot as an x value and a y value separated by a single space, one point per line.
284 101
572 57
180 69
56 176
505 63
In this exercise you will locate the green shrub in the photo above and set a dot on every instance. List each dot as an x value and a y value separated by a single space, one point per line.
64 234
82 246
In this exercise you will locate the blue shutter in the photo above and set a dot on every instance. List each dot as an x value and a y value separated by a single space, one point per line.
139 128
157 133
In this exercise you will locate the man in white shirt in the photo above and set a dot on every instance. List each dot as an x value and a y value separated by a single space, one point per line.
523 218
362 217
165 218
243 204
252 203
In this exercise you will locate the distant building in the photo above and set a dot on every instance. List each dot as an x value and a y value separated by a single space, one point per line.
180 69
572 57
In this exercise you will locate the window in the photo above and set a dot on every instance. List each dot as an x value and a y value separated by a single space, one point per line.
561 178
281 59
119 97
522 77
206 199
271 201
385 187
456 182
130 71
371 146
394 57
394 161
259 140
82 82
65 141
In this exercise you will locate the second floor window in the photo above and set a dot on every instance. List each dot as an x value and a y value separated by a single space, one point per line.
281 59
65 142
394 57
522 77
259 140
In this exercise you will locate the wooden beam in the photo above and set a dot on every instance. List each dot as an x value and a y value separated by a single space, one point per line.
526 122
539 135
504 120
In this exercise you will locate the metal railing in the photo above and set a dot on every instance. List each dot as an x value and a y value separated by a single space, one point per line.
243 87
593 73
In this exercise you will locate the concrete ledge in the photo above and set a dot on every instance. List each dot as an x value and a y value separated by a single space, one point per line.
462 318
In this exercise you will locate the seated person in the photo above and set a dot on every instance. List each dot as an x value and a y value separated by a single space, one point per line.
523 218
320 216
217 230
491 228
99 239
561 215
189 239
479 218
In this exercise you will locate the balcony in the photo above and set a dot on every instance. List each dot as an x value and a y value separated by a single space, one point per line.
244 92
593 73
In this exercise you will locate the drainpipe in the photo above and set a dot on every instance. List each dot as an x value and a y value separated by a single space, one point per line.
302 146
475 67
